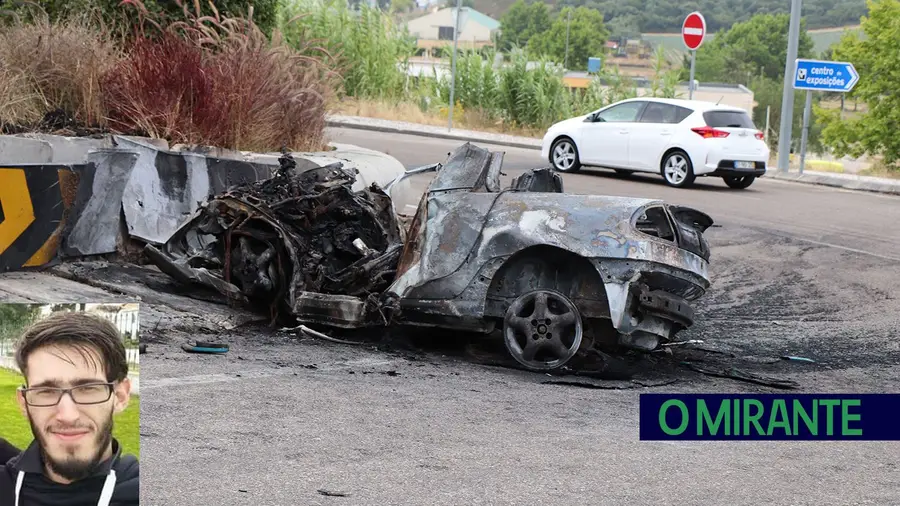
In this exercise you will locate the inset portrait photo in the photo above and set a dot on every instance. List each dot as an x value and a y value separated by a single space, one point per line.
69 404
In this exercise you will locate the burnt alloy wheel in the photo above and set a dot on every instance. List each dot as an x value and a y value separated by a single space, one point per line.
739 182
542 330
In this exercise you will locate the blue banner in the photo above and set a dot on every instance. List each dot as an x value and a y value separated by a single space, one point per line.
773 417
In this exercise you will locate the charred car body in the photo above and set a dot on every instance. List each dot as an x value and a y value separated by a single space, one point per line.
553 271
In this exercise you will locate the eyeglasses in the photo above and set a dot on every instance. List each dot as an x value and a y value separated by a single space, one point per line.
92 393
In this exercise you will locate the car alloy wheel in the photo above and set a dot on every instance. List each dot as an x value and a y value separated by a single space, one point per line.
677 170
564 156
542 330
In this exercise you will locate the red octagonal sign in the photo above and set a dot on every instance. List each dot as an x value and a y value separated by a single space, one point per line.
693 30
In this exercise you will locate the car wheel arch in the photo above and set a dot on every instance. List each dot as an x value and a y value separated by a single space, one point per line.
557 268
567 137
672 149
564 136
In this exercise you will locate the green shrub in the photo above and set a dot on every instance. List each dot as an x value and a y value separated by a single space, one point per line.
265 12
366 46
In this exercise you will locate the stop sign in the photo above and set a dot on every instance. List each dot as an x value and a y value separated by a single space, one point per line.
693 30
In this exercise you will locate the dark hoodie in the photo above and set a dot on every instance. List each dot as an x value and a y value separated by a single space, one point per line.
7 451
22 482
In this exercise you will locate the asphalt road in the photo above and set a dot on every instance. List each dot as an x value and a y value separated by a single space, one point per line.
850 220
797 270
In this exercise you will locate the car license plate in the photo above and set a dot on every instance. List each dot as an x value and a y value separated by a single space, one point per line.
744 165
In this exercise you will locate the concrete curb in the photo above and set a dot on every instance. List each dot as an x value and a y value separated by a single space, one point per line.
435 132
846 181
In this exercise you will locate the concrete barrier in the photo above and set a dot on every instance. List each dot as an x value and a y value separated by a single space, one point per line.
96 222
14 149
35 199
75 197
68 150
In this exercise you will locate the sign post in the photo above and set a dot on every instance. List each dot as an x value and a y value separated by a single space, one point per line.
817 75
456 24
692 32
787 96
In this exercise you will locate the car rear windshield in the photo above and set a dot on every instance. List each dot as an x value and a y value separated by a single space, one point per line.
728 119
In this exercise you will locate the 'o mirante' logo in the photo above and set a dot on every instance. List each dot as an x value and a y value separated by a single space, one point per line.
868 417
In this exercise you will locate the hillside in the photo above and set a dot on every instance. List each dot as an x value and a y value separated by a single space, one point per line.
822 38
665 16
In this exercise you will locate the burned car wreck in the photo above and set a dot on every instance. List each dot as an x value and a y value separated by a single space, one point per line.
553 272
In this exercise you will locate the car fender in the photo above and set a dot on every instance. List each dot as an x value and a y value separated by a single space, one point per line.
672 146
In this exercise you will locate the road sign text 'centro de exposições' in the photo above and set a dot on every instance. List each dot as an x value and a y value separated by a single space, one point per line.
832 76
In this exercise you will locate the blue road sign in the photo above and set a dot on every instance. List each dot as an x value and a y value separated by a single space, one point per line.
833 76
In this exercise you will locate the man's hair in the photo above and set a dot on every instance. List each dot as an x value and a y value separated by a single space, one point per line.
87 333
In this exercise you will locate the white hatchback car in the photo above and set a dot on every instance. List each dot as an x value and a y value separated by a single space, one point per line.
679 139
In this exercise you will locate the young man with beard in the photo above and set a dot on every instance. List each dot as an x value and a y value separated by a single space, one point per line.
75 372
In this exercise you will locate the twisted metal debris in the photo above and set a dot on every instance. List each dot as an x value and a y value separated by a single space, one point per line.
269 242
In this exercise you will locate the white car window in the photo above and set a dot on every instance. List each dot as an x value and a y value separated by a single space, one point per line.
622 113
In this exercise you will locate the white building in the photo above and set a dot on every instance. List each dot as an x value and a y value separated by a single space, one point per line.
125 316
436 29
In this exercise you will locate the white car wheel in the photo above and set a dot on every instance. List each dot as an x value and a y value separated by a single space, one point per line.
677 170
564 156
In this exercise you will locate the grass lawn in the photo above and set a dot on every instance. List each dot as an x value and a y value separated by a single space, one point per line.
16 430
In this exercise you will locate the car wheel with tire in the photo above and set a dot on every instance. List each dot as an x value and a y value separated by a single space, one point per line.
677 169
739 182
564 156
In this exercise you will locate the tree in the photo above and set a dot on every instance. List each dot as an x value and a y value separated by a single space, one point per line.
522 21
402 5
874 131
586 37
753 53
666 16
756 47
14 318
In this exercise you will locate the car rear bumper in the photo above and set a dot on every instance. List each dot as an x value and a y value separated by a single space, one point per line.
726 168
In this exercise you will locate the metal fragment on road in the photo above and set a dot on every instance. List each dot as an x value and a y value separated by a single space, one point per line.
332 493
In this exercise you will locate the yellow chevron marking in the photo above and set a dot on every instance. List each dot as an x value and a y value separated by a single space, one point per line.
17 209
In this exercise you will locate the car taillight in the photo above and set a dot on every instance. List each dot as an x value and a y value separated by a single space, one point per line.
760 135
709 133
